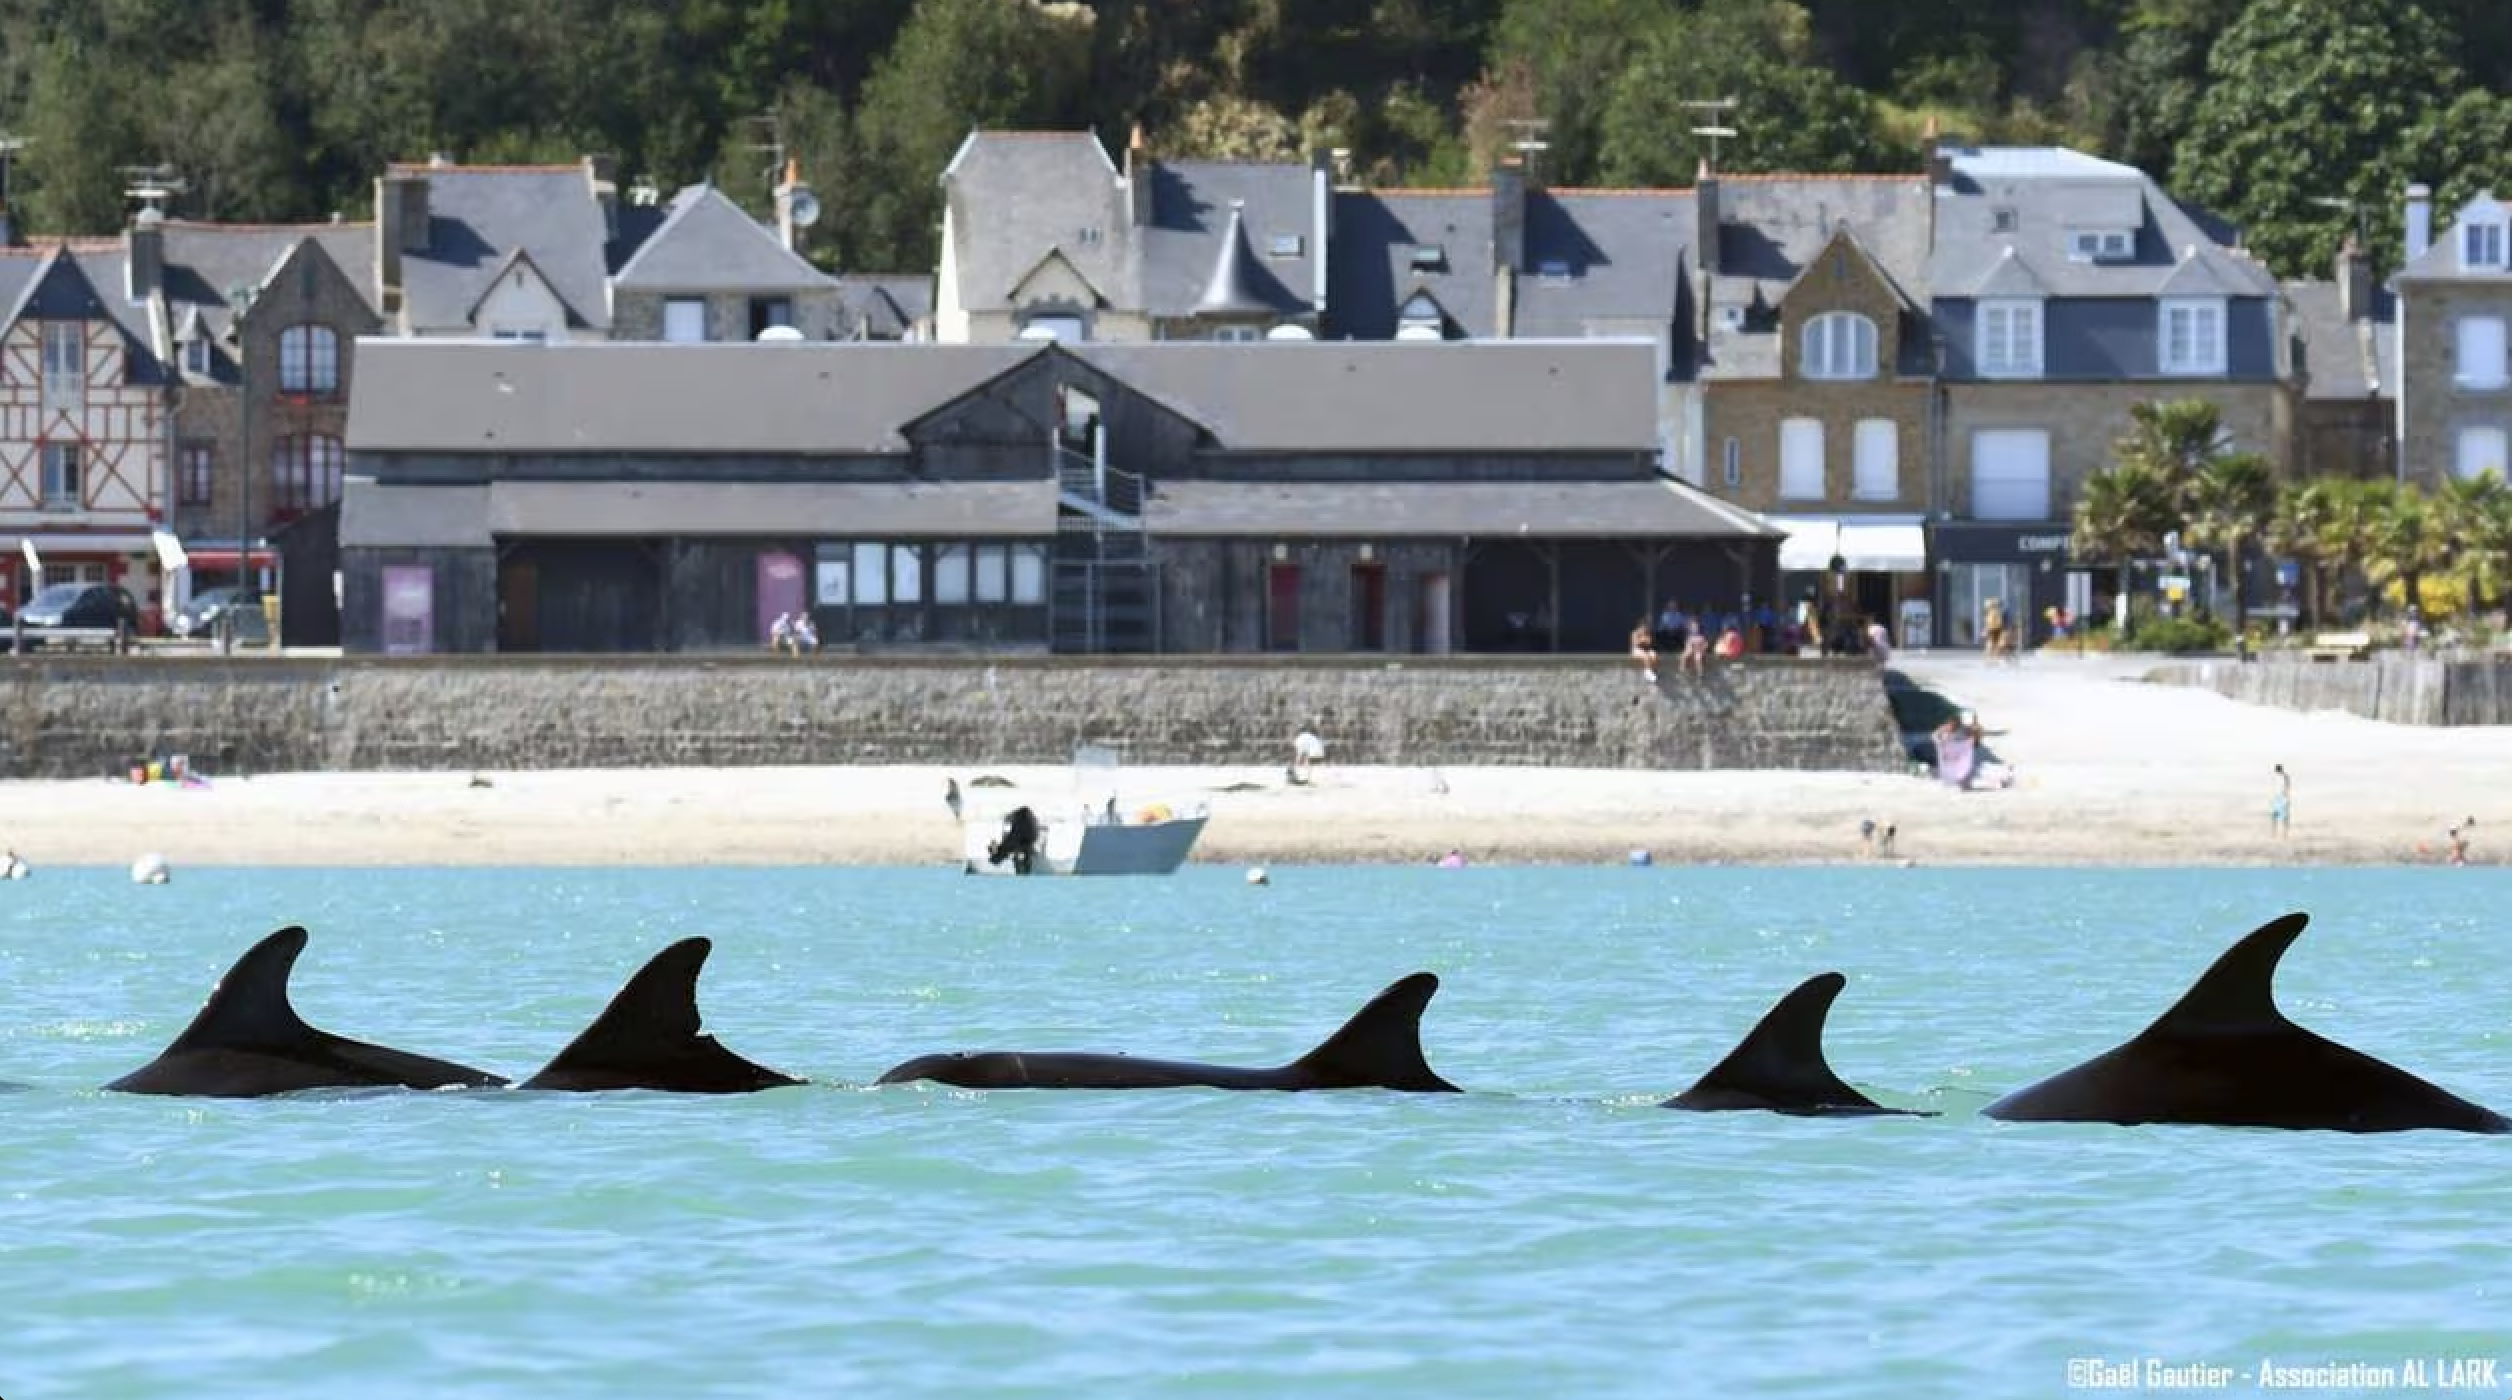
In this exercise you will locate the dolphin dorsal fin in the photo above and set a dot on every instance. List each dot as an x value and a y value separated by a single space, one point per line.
2239 991
249 1008
1780 1061
1381 1046
649 1037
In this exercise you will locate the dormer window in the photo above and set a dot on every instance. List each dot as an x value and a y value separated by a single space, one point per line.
196 358
2100 245
1556 270
1285 245
2483 245
2192 336
2002 221
1839 345
2009 339
1430 257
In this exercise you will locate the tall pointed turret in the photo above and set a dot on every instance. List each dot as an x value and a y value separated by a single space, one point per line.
1232 290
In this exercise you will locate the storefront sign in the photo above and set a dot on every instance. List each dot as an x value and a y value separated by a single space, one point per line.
2041 544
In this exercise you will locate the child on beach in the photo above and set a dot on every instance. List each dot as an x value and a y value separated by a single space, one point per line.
2281 806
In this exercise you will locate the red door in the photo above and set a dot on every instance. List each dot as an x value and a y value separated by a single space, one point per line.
1282 607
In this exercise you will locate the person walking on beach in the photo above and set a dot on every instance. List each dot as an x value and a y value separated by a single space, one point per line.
1993 629
2458 837
2281 805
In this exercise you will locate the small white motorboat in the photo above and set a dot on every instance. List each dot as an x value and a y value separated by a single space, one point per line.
1091 832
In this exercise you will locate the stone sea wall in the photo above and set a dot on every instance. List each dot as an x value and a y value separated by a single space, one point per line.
84 716
2391 686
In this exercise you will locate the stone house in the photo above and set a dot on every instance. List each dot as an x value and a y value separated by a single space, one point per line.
512 252
1081 497
1045 238
2063 290
709 271
1816 384
2454 400
2345 372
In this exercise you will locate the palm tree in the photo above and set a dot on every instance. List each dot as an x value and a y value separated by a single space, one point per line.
2230 504
2176 439
2295 531
2476 515
2346 524
2408 540
2121 514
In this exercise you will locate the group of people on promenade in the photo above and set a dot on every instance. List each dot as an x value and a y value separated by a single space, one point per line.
793 632
1753 629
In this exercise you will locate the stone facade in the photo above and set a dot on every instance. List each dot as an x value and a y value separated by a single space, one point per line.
819 315
1749 412
2434 405
73 717
2085 422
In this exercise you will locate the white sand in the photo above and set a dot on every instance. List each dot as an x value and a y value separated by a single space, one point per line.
2110 770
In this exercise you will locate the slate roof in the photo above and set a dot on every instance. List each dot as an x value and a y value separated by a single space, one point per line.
204 261
81 280
741 397
2051 192
2344 359
1772 226
1534 396
885 306
1595 509
1605 262
1184 245
949 509
1016 196
1372 274
2441 260
378 515
480 215
707 243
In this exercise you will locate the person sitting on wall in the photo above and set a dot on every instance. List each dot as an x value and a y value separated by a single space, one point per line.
1730 645
1644 651
781 633
806 635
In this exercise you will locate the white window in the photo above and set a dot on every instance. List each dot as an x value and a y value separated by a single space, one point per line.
2483 246
1237 335
61 476
684 320
1801 459
534 336
1876 475
2482 450
994 580
907 578
872 574
2481 363
309 361
2010 338
2010 474
950 573
2099 245
65 367
1839 345
2193 337
1064 328
196 357
1029 574
1732 457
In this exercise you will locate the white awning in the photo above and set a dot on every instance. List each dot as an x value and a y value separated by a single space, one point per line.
169 552
71 542
1865 546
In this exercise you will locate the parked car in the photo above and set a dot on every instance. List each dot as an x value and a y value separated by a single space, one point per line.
213 608
77 607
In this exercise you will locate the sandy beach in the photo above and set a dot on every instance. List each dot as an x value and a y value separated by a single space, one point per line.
2108 769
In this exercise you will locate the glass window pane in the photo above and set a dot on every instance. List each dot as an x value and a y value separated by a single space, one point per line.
872 573
950 573
1029 573
907 574
994 574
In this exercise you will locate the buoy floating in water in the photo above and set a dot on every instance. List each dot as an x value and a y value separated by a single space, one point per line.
150 869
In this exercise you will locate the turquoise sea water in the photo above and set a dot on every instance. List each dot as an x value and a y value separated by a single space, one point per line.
1549 1232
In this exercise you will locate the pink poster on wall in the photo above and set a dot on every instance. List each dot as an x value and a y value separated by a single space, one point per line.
780 590
409 610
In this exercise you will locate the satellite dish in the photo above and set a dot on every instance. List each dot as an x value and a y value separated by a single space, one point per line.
779 335
804 208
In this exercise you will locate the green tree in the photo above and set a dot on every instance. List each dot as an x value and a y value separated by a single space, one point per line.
2295 531
2231 504
958 66
2408 540
2345 520
2304 99
78 132
2475 514
1791 114
1574 49
2178 440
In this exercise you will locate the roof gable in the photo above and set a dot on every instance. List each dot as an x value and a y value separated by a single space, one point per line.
1013 196
1845 252
479 216
1055 280
707 243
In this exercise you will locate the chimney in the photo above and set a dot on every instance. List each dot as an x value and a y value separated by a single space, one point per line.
2354 278
1705 231
1138 168
602 173
796 207
1508 216
147 261
2419 221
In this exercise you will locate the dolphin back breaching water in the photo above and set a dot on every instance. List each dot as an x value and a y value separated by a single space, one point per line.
2223 1055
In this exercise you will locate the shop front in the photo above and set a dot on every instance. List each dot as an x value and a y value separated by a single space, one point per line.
2025 569
1857 569
131 559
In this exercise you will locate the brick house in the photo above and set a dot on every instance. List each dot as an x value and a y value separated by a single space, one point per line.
2455 374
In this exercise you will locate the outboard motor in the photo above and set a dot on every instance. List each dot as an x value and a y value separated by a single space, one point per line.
1018 843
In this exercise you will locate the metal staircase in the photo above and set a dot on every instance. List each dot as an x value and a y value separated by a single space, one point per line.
1103 583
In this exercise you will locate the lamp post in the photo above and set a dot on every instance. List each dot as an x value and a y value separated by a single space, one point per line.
240 297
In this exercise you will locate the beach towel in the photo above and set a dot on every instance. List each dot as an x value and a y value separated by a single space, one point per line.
1957 754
